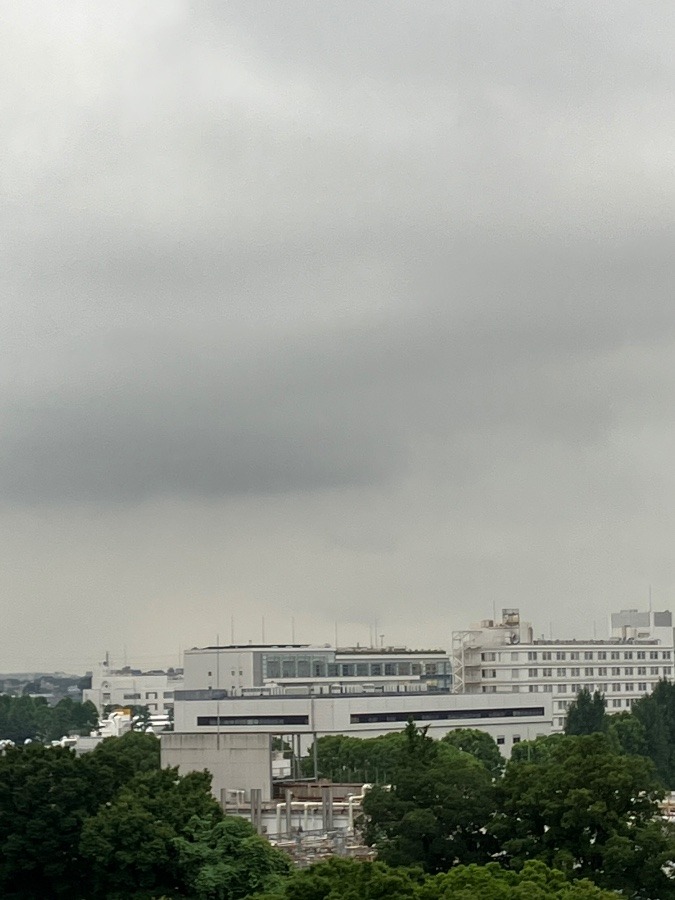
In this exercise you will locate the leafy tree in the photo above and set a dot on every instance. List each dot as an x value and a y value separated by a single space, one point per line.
587 714
45 798
480 745
345 758
588 811
435 812
130 842
31 718
535 881
346 879
627 734
227 860
656 713
537 751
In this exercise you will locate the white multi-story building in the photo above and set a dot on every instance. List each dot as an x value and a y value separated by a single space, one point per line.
132 687
502 657
302 690
243 669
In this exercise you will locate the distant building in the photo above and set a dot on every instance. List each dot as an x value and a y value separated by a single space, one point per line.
132 687
245 668
502 657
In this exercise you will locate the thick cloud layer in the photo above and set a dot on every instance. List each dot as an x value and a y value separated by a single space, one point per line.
332 312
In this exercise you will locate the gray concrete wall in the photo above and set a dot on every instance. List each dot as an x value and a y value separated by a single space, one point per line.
237 762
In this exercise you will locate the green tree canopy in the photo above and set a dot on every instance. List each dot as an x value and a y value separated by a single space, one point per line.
435 811
478 744
346 879
588 811
587 714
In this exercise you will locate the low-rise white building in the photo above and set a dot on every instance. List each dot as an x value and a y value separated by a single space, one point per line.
502 657
132 687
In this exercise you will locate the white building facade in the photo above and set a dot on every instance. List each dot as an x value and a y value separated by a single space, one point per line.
129 687
242 669
365 692
502 657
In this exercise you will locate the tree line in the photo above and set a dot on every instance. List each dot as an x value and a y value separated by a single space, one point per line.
28 718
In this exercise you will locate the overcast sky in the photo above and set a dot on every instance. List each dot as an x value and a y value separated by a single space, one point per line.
332 312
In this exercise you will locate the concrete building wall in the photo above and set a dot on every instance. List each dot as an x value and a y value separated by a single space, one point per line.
237 762
507 718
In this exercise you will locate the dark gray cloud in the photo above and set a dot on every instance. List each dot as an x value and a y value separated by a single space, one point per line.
346 307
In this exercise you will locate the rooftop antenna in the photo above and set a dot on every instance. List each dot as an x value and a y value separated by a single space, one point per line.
382 641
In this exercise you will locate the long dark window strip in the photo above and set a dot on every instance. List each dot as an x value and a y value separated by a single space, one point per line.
446 714
252 720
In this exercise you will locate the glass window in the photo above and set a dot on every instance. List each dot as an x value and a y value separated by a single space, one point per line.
288 667
602 654
642 670
548 688
641 654
416 668
304 666
575 673
348 670
653 654
362 670
531 656
501 740
332 670
642 686
546 654
547 672
375 669
602 670
628 670
628 654
666 670
319 668
614 654
561 673
654 670
574 655
561 689
588 654
616 670
404 668
666 654
430 669
616 687
272 667
630 686
532 673
560 655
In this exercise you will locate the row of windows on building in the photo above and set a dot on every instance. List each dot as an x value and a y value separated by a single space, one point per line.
149 695
586 655
304 667
617 687
575 672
